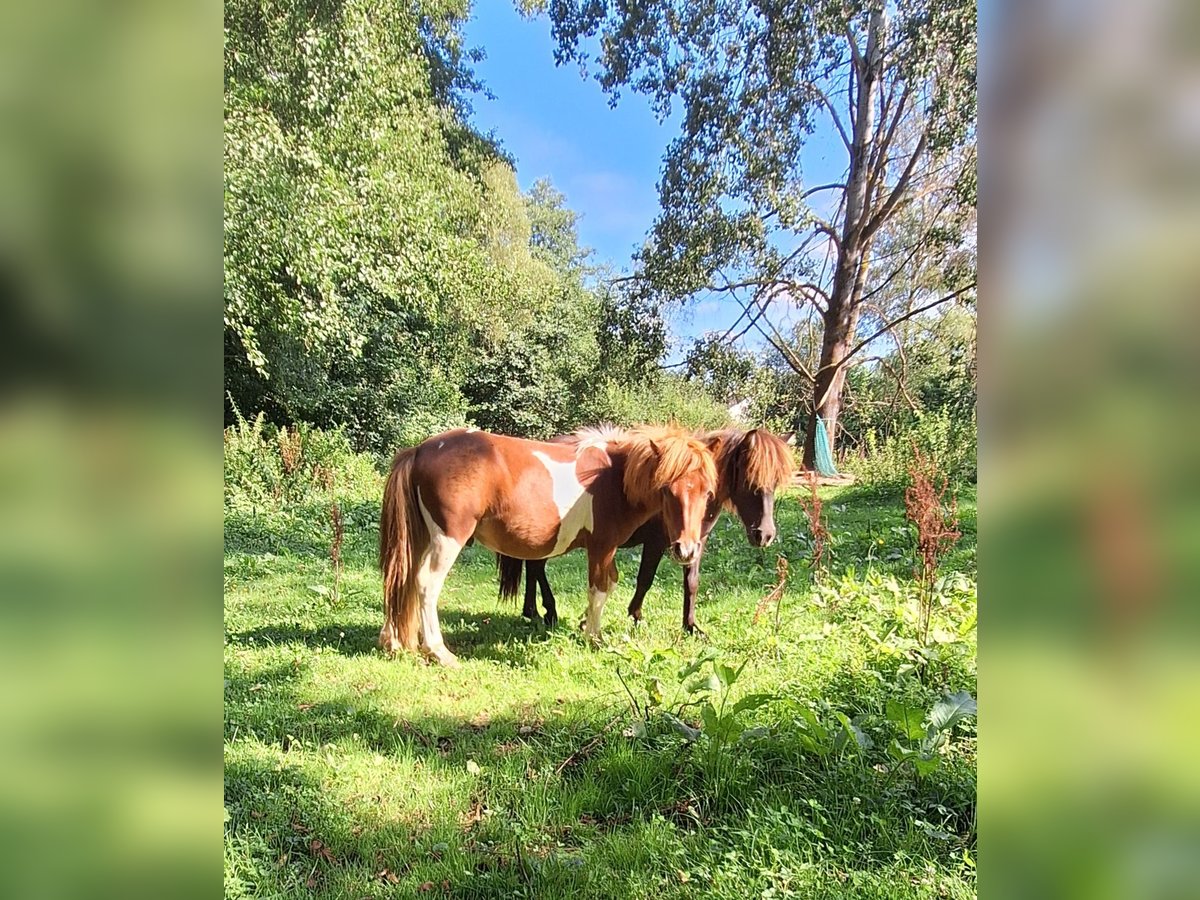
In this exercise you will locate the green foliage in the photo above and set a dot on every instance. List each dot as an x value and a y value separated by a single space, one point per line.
921 738
667 399
631 333
951 442
725 372
383 271
404 774
267 466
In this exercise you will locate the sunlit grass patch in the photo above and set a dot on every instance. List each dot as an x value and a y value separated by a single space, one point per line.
546 768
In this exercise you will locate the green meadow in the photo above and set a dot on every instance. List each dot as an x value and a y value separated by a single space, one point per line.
815 743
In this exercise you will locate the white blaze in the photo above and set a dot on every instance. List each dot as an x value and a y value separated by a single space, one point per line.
573 502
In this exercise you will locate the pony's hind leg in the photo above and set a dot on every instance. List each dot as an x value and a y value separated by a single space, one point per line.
435 564
529 611
548 599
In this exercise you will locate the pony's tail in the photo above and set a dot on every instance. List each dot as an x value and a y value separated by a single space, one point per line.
510 575
403 538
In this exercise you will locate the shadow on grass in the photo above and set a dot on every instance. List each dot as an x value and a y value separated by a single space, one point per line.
547 788
502 636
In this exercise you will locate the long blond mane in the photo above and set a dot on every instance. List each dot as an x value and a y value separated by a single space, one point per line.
660 456
763 458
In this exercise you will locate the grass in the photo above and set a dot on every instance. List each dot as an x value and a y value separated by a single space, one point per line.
523 774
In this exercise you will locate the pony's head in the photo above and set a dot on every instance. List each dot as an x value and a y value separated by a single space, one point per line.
752 466
670 471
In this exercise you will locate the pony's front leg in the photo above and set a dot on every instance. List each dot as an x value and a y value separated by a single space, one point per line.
652 554
435 564
602 571
691 585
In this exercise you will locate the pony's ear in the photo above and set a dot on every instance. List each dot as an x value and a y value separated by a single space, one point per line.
713 442
751 439
657 450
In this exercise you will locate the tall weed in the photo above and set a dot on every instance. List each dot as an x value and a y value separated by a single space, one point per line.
270 466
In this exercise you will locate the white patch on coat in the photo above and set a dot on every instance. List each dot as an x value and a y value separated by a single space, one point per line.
574 504
595 610
434 565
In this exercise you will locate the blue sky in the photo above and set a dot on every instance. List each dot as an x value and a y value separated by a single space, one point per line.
559 125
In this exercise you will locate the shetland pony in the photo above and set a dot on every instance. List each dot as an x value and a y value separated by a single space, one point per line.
530 500
751 467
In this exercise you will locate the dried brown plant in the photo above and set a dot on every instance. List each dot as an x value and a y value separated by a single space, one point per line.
936 522
776 594
816 526
335 546
290 450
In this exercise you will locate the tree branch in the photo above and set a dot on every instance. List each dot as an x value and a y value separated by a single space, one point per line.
823 187
897 193
837 120
908 315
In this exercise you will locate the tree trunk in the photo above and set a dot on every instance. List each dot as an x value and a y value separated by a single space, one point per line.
841 315
831 375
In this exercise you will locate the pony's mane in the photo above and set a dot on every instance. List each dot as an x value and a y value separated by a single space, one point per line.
659 456
764 458
596 435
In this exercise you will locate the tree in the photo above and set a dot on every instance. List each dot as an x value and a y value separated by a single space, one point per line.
376 247
894 83
722 370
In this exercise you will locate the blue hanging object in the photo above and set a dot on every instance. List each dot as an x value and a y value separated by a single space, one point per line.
824 456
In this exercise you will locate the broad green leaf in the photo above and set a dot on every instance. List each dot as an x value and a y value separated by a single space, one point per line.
909 719
851 733
654 690
752 701
706 683
925 766
725 674
813 725
683 728
948 711
694 666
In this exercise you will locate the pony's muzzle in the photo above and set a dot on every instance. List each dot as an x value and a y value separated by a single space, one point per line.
685 552
763 537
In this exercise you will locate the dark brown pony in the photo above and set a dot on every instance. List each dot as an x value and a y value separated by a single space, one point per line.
530 500
751 467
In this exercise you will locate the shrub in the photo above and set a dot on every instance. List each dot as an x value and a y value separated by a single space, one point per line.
950 443
269 465
668 399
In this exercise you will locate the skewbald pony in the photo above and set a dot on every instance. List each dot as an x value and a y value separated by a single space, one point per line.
659 456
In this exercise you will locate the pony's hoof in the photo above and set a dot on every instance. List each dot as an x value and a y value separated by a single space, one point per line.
389 643
551 619
447 659
697 632
444 657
